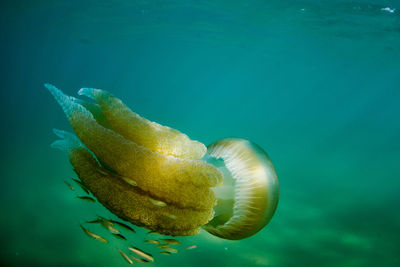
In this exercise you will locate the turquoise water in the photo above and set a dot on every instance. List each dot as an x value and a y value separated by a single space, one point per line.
315 83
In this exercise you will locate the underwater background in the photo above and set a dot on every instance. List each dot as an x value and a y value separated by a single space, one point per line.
315 83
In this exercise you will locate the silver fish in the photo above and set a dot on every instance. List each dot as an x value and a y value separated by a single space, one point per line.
127 227
110 228
126 257
84 188
139 260
158 203
171 241
119 236
152 241
129 180
142 253
93 235
87 199
95 221
105 220
169 249
102 171
173 217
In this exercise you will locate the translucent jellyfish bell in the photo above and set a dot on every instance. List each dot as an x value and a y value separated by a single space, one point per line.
248 198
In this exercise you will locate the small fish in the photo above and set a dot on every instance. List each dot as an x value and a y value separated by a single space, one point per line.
165 252
95 221
93 235
84 188
125 257
110 228
129 180
173 217
86 198
108 225
139 260
69 185
163 246
119 236
127 227
191 247
152 241
172 250
171 241
142 253
158 203
105 220
78 181
102 171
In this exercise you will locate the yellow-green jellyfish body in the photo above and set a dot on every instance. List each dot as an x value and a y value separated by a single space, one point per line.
156 177
133 204
158 138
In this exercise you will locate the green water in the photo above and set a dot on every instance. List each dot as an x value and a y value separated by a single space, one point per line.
315 83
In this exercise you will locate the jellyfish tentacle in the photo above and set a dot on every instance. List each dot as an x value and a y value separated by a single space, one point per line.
158 138
66 135
67 142
159 175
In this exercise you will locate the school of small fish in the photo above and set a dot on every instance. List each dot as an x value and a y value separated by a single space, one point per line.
110 225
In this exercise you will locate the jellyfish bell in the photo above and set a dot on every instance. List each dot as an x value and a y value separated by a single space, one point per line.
248 198
156 177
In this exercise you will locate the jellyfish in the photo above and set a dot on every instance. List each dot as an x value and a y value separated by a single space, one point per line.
158 178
